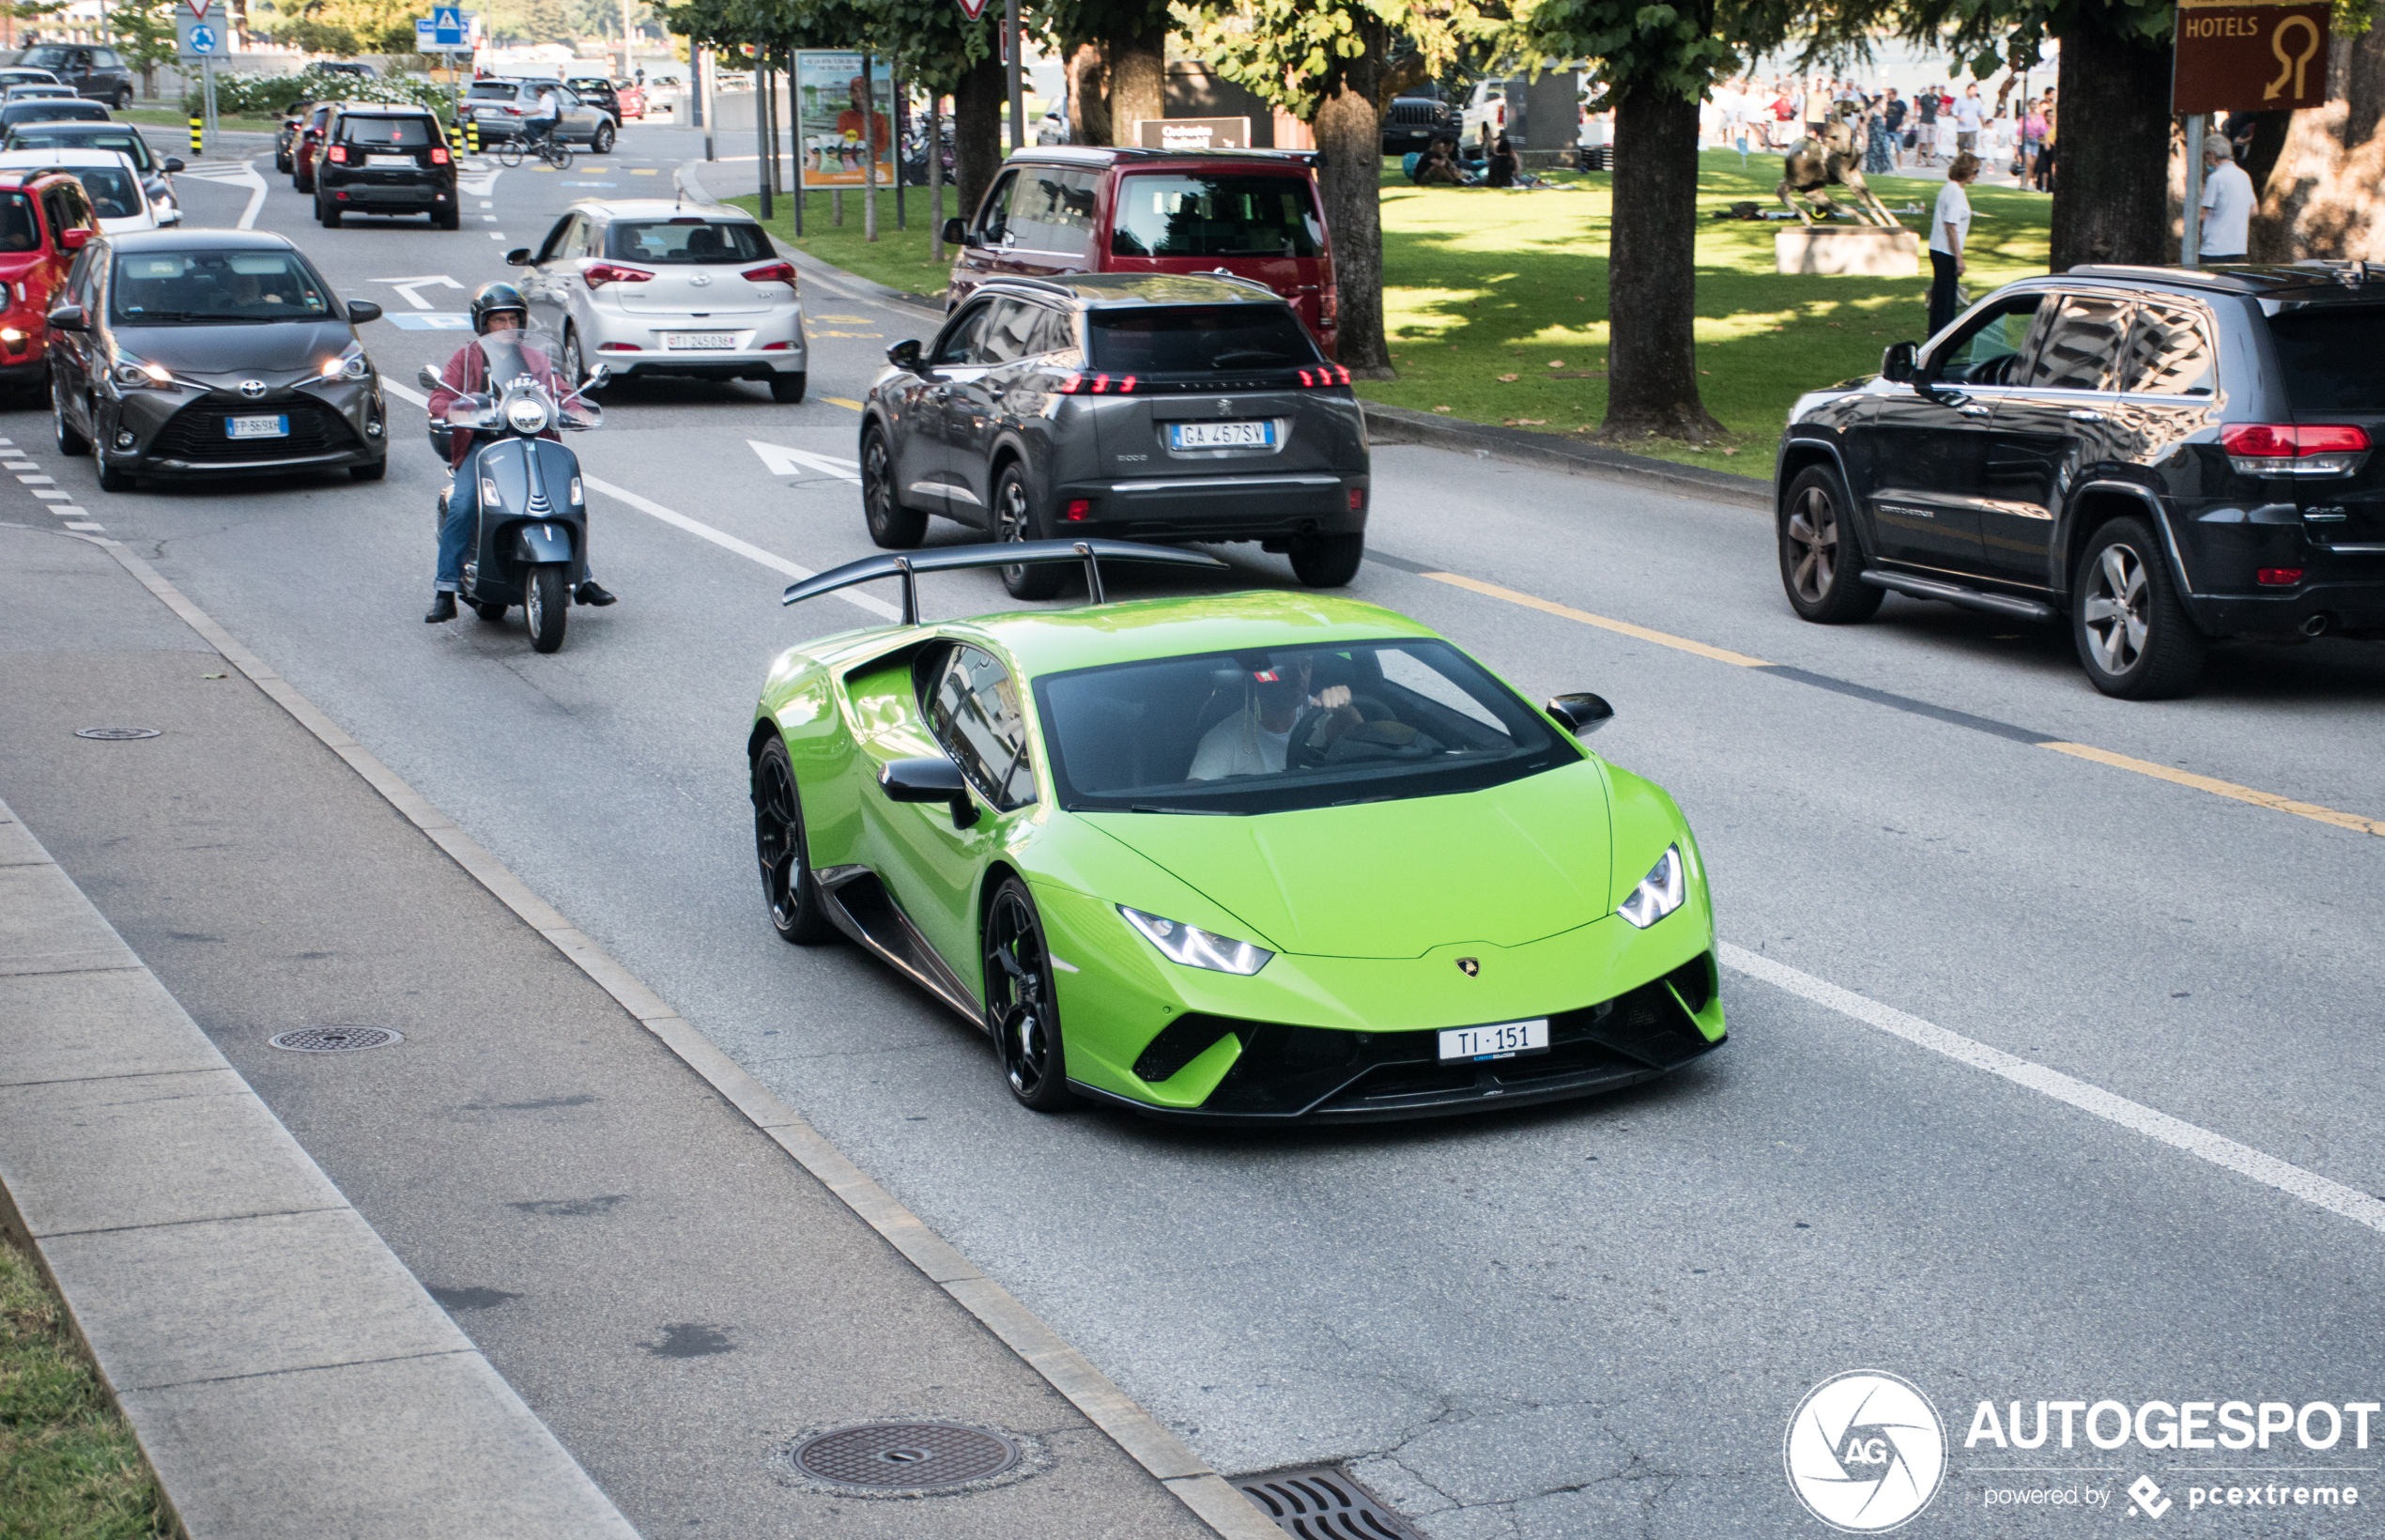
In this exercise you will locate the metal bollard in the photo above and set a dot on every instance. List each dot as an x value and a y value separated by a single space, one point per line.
198 135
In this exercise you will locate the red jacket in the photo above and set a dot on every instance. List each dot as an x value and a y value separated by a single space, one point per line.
467 374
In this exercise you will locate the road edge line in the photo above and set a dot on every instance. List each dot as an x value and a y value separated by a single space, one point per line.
1206 1494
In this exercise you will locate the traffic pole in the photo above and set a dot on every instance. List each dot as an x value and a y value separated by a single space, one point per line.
1018 91
2190 247
198 136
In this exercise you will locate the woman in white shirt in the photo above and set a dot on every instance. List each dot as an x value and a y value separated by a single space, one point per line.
1949 232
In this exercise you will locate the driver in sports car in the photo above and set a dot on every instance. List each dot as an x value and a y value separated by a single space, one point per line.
1255 740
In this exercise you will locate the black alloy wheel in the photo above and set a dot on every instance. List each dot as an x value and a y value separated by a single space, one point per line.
1015 523
545 601
798 911
892 526
2134 636
1022 1007
70 442
603 143
1821 565
1327 561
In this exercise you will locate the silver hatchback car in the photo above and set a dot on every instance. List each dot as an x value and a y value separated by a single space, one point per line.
655 288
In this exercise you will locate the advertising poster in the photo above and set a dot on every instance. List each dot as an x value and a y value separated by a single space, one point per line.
835 126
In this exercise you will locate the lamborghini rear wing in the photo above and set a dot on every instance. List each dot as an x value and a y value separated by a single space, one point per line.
907 566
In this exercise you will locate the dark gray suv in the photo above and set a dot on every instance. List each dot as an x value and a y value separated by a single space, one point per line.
2163 457
1140 405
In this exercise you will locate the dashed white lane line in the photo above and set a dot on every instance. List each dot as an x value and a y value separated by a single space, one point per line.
701 530
89 529
37 479
496 235
2201 1143
49 495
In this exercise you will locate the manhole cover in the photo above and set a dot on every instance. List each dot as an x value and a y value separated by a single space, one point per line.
116 734
1322 1502
334 1040
909 1454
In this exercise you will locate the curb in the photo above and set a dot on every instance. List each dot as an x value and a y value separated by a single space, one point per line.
283 1373
693 189
1209 1496
1398 424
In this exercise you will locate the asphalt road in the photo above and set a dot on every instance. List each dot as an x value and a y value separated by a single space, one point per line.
1587 1320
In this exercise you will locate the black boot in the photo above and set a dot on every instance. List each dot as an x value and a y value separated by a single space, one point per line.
442 608
592 591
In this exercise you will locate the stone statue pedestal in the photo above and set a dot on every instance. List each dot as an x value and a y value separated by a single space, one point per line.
1861 250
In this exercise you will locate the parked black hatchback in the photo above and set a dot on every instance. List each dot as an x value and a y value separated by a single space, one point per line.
97 74
379 158
2165 457
1139 406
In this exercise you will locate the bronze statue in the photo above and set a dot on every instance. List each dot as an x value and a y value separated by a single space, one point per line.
1836 158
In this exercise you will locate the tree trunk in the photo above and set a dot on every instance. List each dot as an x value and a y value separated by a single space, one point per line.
976 131
1349 141
2322 198
1652 298
1138 83
2111 180
1088 94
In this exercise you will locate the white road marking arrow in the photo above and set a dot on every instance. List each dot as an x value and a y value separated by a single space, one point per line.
409 286
783 461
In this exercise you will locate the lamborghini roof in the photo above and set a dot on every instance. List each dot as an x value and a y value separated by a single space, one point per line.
1054 641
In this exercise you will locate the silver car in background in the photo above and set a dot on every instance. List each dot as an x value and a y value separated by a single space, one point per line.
655 288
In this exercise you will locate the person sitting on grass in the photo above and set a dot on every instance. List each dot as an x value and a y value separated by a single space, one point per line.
1438 168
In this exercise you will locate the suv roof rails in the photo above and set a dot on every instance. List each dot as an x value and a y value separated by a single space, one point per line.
1024 280
1006 554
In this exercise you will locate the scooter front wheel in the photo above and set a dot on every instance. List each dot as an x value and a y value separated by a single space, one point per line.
545 600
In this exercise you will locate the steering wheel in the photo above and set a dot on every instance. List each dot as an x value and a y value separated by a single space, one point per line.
1304 753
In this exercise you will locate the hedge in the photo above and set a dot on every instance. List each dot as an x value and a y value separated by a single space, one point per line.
270 96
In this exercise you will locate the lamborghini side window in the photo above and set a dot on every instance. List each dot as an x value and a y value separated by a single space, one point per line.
973 709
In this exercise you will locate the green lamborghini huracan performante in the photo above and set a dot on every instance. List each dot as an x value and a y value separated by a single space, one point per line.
1257 857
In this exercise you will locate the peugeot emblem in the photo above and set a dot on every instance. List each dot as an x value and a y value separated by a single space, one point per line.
1225 409
1469 966
252 388
698 280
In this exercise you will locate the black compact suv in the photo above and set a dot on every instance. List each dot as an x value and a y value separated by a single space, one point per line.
2165 457
96 72
379 159
1141 406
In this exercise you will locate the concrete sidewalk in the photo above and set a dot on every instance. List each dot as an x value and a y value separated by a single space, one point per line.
666 1287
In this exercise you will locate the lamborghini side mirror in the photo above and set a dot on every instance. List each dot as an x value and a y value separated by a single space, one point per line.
1581 714
928 780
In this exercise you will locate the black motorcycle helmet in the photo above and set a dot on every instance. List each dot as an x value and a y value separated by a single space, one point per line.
491 298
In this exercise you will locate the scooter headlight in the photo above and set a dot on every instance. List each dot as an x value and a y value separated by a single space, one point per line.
528 414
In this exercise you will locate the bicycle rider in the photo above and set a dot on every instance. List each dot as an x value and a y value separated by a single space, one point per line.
540 126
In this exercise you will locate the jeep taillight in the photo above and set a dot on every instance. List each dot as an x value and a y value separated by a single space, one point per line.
337 154
2293 449
601 274
439 154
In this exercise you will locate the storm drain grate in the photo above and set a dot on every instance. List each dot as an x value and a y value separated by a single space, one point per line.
116 734
335 1040
907 1455
1322 1502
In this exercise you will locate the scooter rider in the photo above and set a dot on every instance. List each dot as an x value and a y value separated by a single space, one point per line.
496 307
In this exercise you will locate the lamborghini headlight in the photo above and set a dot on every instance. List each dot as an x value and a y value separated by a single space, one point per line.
1195 947
1659 893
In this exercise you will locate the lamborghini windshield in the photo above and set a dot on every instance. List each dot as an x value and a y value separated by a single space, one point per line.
1288 728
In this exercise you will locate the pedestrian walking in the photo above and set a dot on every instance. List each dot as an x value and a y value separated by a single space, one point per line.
2032 142
1925 107
1949 233
1892 112
2227 203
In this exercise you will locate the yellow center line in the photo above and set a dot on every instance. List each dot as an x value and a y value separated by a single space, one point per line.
840 401
2222 788
1621 628
2354 822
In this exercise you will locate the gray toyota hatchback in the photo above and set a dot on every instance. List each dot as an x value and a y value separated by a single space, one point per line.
1139 406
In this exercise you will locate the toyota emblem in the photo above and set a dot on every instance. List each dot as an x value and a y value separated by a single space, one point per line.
252 388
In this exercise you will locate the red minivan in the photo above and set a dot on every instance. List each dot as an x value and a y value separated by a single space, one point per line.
1074 209
44 220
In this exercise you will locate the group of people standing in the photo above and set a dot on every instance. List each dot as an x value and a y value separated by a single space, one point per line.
1894 133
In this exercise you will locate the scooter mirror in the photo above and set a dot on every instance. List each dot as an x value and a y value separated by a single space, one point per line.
597 375
429 378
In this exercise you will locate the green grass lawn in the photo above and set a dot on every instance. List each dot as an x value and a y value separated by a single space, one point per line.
1495 301
69 1469
166 117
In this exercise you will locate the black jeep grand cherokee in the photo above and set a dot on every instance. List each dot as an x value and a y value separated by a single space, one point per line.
2165 457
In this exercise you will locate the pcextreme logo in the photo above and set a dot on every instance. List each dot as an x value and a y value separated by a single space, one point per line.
1865 1451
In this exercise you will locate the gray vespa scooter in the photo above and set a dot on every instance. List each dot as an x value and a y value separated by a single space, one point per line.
532 548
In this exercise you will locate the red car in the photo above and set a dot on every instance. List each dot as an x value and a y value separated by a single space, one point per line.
633 97
1251 214
44 220
308 146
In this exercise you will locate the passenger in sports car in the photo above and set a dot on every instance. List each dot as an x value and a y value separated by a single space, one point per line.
1255 740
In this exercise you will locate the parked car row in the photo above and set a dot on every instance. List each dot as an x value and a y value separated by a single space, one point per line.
372 157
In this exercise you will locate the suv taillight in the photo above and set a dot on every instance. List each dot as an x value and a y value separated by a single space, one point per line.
1329 373
2292 449
1078 384
439 154
337 154
776 272
601 274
